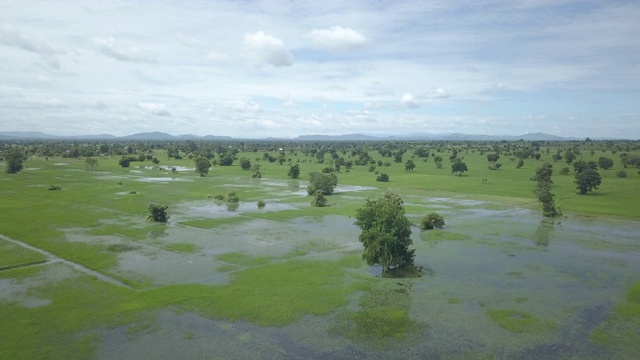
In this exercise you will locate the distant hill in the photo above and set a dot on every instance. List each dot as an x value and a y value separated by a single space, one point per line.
156 135
348 137
161 136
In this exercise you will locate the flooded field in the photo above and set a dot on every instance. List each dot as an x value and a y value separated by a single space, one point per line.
497 283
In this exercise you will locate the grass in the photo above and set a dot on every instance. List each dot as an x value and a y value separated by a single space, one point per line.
12 256
182 247
519 321
267 290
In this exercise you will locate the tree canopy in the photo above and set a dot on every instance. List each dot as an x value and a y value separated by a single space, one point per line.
14 160
323 182
458 167
386 232
202 165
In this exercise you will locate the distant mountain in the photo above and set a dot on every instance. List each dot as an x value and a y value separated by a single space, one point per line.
26 135
156 135
348 137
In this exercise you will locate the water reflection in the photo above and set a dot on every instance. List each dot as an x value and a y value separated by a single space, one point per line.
543 232
233 206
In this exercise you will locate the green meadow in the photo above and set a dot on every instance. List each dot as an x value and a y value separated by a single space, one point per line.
222 280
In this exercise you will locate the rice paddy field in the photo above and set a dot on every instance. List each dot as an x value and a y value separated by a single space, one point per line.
84 275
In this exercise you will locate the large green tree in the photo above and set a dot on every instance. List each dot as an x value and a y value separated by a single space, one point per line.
386 233
543 190
202 165
323 182
458 167
587 180
294 171
14 159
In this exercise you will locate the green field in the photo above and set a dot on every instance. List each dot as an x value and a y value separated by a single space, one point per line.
288 280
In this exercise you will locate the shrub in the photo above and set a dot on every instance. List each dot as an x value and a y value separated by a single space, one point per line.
158 213
261 204
621 173
382 177
318 199
54 188
219 197
432 221
232 197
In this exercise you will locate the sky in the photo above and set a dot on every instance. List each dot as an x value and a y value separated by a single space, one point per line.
256 69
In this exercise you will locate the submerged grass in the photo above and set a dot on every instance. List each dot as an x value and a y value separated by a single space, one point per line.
182 247
519 321
269 295
382 320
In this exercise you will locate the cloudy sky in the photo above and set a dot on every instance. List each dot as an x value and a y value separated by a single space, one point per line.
283 68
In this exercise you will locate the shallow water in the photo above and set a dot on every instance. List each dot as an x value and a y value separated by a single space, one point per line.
568 273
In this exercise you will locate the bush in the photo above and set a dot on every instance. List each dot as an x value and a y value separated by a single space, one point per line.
219 197
565 171
382 177
232 197
621 173
158 213
318 199
432 221
261 204
54 188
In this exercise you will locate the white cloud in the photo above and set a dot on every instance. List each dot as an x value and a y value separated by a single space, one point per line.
11 36
268 49
154 108
243 105
337 38
437 93
109 47
217 57
408 101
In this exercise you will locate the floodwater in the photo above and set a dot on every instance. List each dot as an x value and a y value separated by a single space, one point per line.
567 274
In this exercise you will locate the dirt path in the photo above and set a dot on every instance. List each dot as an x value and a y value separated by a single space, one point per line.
51 258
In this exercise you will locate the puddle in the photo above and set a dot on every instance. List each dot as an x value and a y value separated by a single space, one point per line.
163 180
60 164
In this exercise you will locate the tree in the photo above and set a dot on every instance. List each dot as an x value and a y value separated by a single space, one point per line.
493 157
14 161
582 165
158 213
432 221
605 163
409 165
202 165
569 156
226 160
520 164
587 180
90 163
323 182
386 233
124 162
543 190
458 167
245 164
318 199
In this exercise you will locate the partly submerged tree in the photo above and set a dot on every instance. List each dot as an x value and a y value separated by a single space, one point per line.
323 182
158 213
543 190
432 221
386 233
